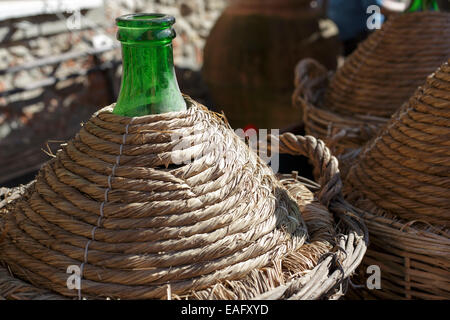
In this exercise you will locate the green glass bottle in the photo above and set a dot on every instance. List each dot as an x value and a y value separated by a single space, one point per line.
149 84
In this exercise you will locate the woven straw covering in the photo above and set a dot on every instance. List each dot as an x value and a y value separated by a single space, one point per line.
406 169
145 214
347 109
405 173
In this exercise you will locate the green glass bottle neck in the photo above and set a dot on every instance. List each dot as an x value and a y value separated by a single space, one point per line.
149 84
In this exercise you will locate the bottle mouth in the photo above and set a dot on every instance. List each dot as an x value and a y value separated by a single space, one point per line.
145 20
145 27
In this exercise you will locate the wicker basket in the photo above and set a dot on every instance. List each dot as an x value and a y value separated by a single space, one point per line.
402 179
143 218
347 109
413 256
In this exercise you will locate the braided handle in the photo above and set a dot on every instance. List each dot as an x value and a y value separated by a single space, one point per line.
321 157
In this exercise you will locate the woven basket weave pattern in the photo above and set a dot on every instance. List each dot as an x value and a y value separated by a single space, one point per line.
107 203
219 225
406 169
386 69
348 109
401 180
414 257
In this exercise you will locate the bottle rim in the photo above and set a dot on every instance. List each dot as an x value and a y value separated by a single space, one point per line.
145 20
145 28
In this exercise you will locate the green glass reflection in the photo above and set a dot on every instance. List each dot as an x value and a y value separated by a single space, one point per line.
149 84
423 5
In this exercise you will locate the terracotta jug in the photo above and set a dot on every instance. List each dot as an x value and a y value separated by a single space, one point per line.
251 53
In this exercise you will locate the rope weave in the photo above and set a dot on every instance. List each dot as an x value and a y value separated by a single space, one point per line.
348 109
213 228
401 179
133 233
302 272
406 169
99 221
